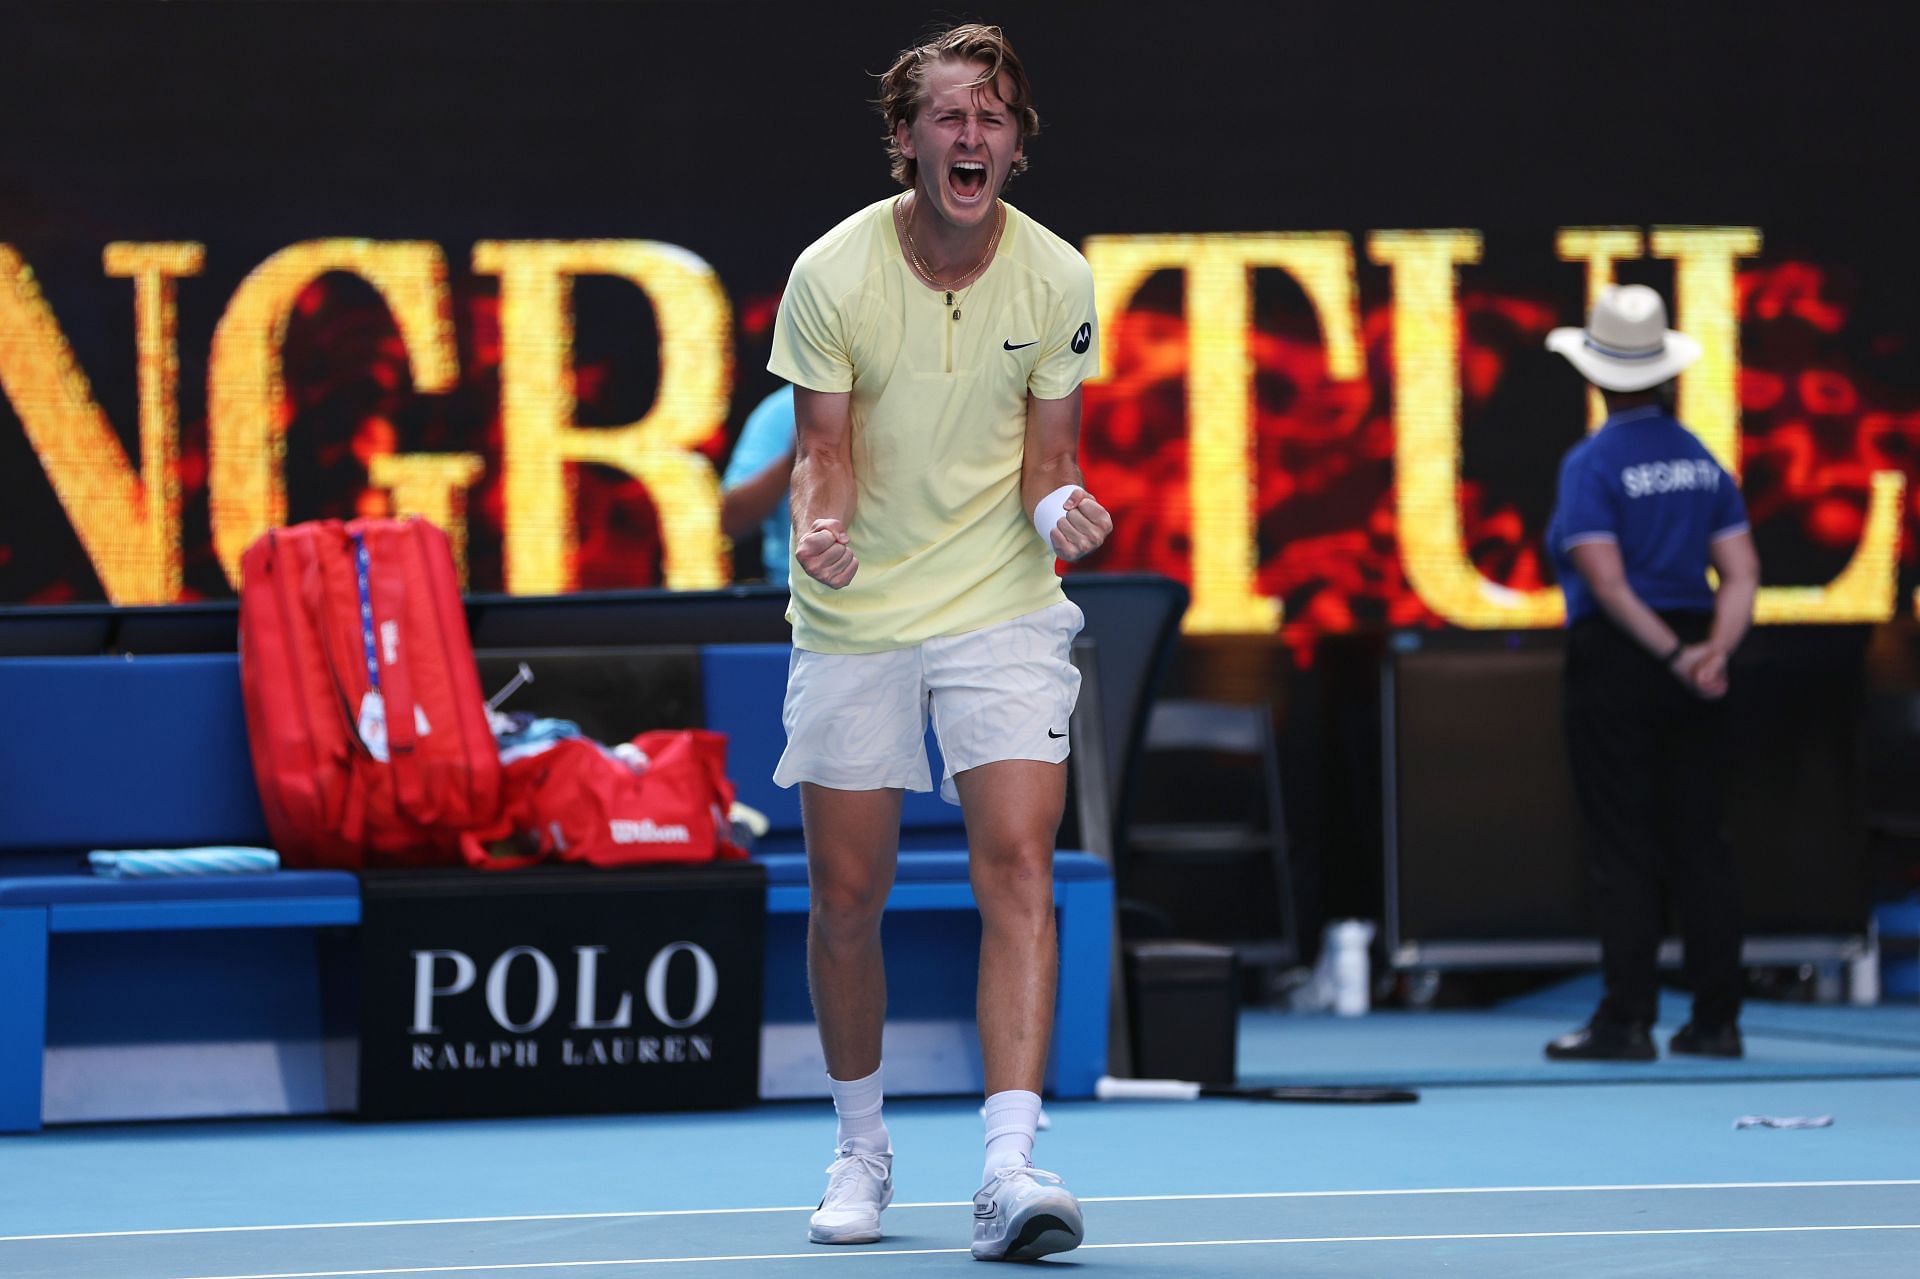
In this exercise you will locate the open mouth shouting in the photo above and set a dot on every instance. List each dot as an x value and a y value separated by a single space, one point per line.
967 179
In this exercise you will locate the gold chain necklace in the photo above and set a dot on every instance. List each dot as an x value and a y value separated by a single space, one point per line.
920 265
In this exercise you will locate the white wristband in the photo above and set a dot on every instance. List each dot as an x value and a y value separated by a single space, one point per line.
1050 510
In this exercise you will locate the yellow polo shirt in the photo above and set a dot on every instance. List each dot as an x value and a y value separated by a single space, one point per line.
939 415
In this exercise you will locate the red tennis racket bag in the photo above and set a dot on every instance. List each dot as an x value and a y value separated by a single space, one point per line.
368 730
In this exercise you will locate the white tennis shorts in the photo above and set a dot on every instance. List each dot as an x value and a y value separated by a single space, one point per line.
858 721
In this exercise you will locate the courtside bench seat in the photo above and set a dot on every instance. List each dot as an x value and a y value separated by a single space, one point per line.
40 914
113 752
151 752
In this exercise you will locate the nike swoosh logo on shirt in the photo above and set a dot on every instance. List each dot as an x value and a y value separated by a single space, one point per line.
1011 345
1051 733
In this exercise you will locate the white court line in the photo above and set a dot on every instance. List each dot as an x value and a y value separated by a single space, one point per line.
848 1254
960 1203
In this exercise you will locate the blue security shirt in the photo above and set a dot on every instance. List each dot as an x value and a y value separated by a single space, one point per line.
767 436
1647 483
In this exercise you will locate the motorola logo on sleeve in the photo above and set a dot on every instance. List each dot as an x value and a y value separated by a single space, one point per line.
538 993
1082 338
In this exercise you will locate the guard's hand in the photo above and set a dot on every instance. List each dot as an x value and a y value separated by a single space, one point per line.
1082 529
824 555
1705 670
1702 669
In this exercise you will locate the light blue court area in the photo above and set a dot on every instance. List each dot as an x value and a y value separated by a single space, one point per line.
1504 1045
1615 1176
1894 1024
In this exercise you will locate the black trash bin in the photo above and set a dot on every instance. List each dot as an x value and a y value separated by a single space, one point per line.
1184 1010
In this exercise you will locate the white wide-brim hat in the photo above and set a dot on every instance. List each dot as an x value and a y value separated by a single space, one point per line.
1626 345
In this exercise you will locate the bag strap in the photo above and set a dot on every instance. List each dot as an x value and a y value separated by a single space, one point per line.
382 602
474 853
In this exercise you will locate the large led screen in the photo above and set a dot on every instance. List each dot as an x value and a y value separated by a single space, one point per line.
514 268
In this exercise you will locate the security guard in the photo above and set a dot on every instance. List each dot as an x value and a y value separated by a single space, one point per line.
1642 510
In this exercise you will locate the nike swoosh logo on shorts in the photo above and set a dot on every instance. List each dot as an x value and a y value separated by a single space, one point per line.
1051 733
1011 345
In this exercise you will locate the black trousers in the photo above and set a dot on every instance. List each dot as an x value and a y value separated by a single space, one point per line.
1648 759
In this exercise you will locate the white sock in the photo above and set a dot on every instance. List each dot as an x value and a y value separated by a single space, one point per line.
1012 1117
857 1103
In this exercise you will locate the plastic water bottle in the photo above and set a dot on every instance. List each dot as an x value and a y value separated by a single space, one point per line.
1352 978
1863 971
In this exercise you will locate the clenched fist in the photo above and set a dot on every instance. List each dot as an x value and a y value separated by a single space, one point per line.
824 555
1082 528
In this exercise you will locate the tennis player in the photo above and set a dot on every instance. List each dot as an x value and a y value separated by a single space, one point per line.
936 341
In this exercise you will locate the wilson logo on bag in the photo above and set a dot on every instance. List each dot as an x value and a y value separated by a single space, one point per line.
645 831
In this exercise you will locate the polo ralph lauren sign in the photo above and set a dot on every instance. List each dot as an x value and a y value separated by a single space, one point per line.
554 991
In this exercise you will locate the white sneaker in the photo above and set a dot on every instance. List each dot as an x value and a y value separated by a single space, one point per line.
1023 1213
859 1185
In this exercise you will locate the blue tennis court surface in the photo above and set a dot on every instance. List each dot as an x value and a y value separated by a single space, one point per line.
1503 1045
1623 1172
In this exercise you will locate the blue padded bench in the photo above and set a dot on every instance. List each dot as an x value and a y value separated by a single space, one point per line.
182 981
208 988
931 962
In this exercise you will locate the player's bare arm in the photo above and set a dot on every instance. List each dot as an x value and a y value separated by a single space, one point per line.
1050 464
823 488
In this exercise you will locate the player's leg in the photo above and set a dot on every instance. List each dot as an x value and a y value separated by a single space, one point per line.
852 839
1002 698
1013 812
852 844
855 726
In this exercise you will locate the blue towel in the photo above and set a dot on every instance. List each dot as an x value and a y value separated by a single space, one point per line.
520 735
140 862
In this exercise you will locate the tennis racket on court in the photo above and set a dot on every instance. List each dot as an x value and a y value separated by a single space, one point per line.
1108 1088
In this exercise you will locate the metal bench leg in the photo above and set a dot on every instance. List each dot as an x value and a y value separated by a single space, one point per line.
23 1015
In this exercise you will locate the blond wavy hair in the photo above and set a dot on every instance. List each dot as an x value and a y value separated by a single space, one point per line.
903 86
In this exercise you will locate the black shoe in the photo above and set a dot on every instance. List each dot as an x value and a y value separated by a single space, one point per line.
1707 1041
1604 1041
